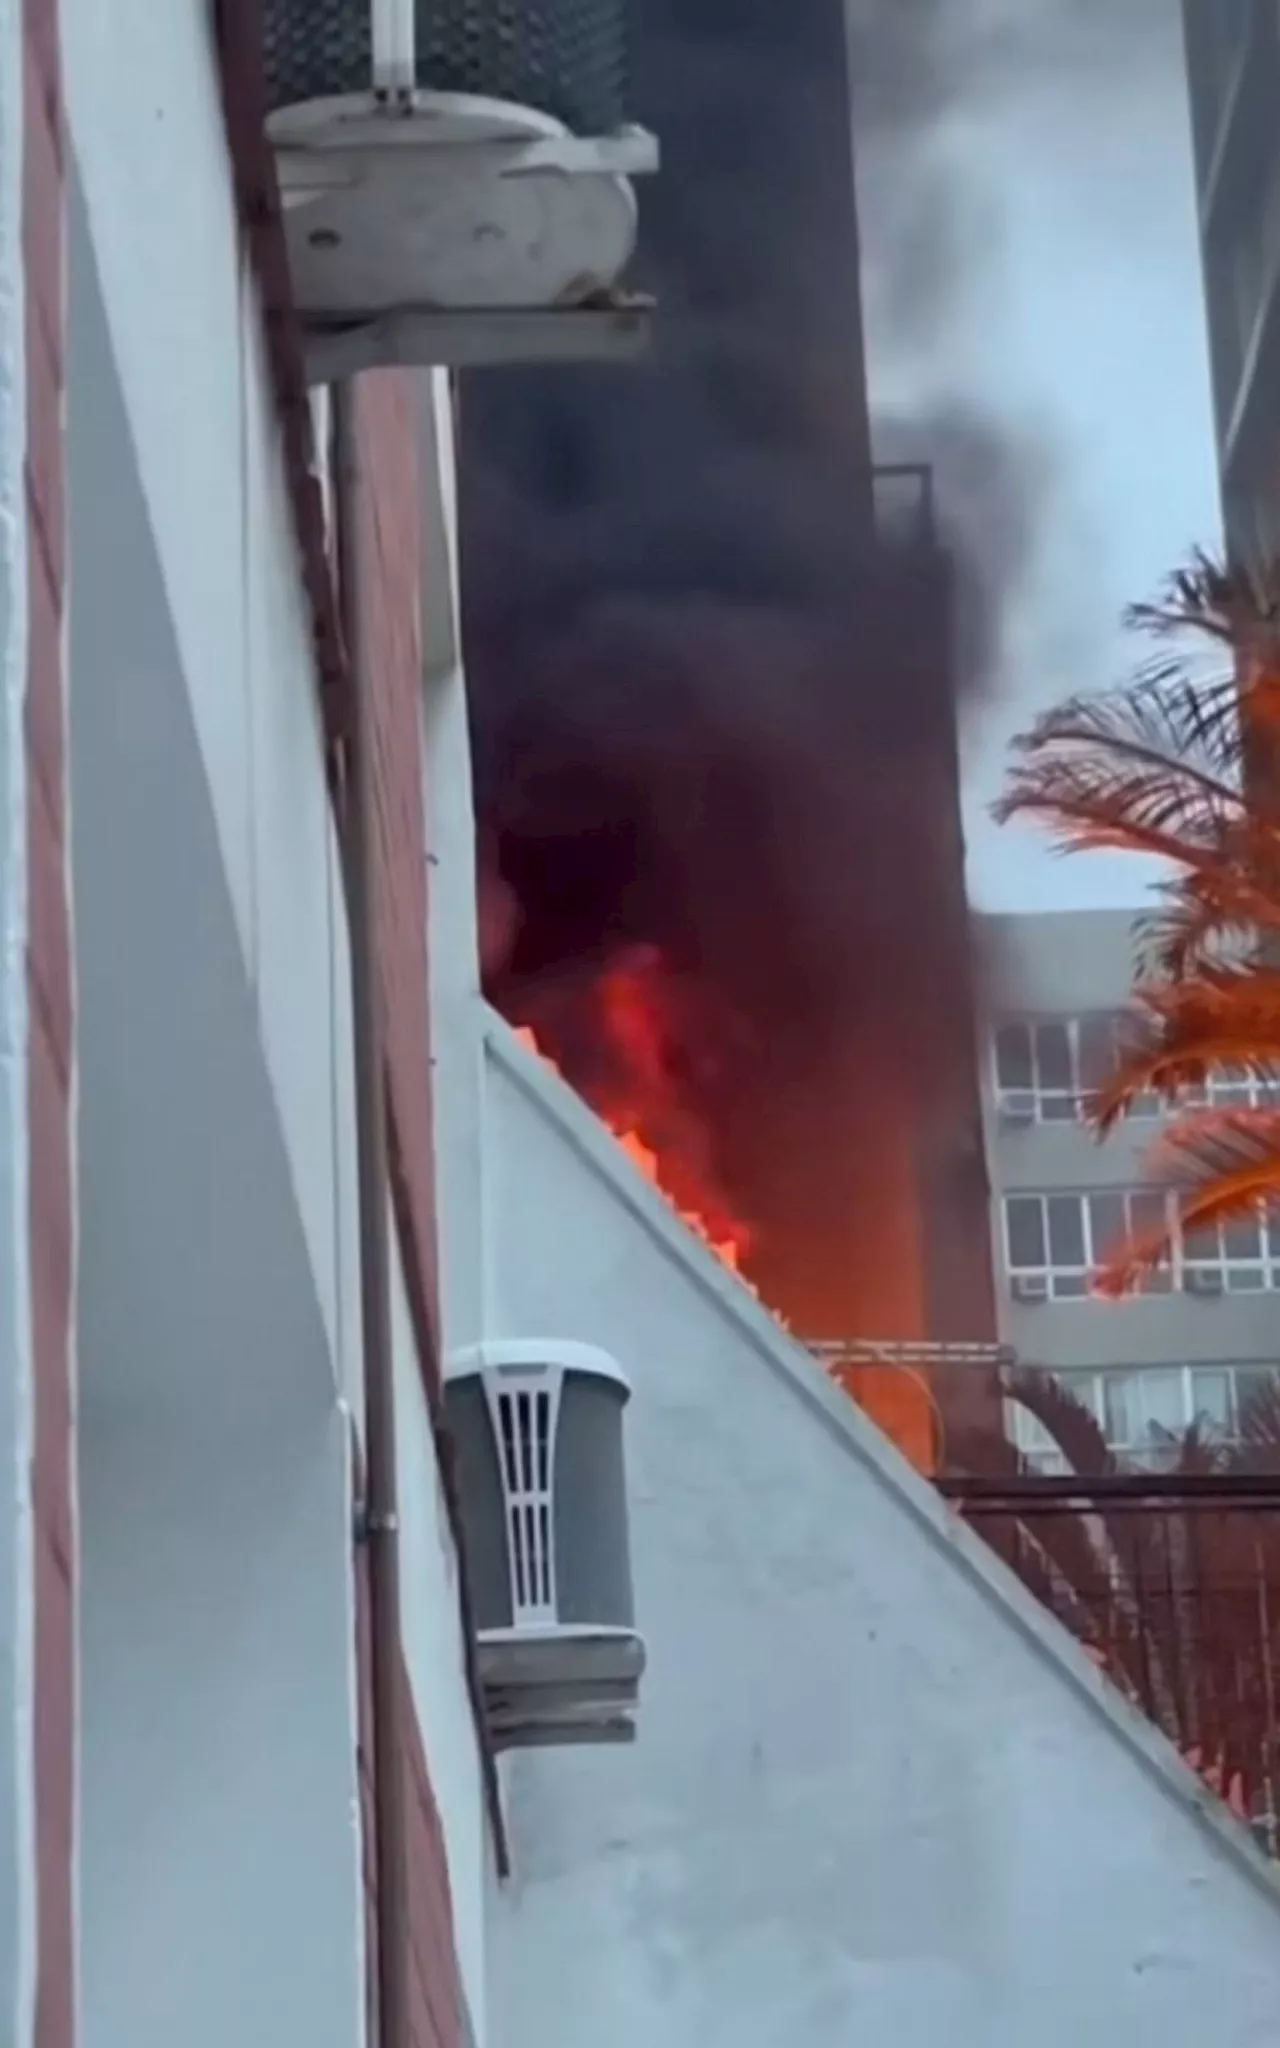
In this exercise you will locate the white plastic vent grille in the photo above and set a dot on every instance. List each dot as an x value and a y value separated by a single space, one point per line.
524 1415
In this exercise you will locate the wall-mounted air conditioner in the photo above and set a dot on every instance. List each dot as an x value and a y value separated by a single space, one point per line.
456 177
1205 1281
537 1428
1029 1287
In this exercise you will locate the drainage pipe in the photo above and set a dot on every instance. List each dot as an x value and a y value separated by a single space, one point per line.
379 1528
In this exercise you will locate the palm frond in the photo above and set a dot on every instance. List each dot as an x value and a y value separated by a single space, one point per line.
1226 1017
1223 1166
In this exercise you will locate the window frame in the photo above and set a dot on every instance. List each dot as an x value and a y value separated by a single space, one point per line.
1037 1096
1143 1452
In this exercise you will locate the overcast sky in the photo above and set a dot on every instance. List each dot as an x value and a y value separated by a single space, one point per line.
1081 324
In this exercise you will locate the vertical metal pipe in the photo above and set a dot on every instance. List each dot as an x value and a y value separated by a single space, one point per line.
379 1529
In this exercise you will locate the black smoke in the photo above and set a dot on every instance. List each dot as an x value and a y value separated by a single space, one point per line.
715 697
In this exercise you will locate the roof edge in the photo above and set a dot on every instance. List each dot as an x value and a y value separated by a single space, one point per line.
791 1363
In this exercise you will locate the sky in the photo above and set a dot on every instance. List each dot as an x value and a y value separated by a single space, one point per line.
1079 326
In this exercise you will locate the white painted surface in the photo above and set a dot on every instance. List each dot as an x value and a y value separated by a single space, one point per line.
222 1893
17 1854
433 1655
456 1036
876 1794
198 426
146 124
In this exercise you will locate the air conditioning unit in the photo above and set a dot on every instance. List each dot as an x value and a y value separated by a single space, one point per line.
456 176
1029 1287
1017 1106
1206 1281
537 1428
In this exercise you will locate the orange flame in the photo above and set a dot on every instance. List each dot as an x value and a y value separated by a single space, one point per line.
727 1239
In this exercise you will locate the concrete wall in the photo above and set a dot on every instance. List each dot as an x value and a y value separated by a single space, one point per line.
220 1855
876 1795
17 1887
196 414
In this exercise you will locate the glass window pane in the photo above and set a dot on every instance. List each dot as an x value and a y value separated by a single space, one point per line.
1148 1211
1257 1399
1246 1280
1024 1222
1163 1400
1013 1056
1211 1399
1053 1058
1106 1225
1097 1041
1202 1247
1243 1239
1229 1087
1066 1231
1058 1109
1070 1286
1122 1413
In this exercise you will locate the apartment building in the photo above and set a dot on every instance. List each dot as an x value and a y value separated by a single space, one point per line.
1233 75
321 1297
1203 1332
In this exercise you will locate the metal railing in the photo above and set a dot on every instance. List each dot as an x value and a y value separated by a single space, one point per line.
1171 1582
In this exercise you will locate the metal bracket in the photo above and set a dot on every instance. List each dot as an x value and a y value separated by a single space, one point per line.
368 1525
417 336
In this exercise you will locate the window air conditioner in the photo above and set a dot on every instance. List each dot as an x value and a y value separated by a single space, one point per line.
1206 1281
537 1427
1030 1287
456 177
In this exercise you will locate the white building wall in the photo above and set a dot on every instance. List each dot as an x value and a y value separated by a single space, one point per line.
151 157
876 1794
17 1850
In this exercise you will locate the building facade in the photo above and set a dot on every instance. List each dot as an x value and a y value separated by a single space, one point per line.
1233 70
268 1164
1201 1335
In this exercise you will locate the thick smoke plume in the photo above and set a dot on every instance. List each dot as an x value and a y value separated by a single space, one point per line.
714 707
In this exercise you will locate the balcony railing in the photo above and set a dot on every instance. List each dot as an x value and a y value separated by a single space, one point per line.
1171 1581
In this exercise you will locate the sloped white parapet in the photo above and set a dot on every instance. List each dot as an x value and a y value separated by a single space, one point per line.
879 1795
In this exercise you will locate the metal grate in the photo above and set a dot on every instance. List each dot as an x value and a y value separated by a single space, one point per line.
524 1418
566 58
1171 1582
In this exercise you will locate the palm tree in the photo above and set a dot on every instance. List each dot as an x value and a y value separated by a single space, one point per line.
1178 1601
1184 764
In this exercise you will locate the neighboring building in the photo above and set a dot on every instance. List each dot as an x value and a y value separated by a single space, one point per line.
1201 1334
1233 71
315 1670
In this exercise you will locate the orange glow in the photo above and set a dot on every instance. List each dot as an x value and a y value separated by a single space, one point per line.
642 1108
728 1240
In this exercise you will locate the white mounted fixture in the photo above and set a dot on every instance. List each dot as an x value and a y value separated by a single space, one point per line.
456 176
1029 1287
537 1429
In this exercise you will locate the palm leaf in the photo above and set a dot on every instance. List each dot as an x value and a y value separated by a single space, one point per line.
1223 1166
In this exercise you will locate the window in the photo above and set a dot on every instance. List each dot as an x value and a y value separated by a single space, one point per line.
1055 1243
1144 1412
1047 1067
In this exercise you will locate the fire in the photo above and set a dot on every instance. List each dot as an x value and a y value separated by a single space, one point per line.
725 1236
